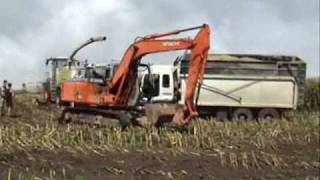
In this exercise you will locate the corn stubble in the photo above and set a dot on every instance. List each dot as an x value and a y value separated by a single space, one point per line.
235 145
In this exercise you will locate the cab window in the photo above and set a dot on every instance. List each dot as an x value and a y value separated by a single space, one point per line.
165 81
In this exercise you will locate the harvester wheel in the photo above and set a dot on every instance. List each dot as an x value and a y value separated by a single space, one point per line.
58 98
65 118
268 114
242 114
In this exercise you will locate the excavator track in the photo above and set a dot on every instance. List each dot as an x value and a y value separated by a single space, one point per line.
99 117
153 115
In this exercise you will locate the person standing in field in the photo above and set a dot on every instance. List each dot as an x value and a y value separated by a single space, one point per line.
3 97
1 100
9 95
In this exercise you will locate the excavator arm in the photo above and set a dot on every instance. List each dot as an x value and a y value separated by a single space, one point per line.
123 80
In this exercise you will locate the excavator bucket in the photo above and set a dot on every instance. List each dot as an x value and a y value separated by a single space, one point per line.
159 114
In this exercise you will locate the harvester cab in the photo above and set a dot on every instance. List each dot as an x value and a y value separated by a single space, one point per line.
62 69
94 73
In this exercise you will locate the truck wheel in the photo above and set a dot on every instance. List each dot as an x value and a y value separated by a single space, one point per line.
242 114
222 115
268 114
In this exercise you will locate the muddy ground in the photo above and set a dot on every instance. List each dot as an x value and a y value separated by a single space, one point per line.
136 165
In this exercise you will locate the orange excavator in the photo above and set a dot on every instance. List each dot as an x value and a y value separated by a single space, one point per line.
116 98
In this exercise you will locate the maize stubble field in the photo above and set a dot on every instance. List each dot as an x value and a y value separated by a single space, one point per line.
35 146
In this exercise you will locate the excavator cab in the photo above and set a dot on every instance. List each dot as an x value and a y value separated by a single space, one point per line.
94 73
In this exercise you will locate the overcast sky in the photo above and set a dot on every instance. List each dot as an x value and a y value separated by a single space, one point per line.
31 31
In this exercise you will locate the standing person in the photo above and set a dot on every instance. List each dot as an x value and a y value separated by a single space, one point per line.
5 84
9 94
3 97
1 100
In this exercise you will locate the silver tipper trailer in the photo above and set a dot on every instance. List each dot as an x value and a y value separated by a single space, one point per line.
246 91
235 86
225 95
240 86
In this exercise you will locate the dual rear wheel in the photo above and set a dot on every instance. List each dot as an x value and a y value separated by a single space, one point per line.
268 114
246 114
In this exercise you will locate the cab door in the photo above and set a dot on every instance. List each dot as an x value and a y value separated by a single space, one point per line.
166 89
